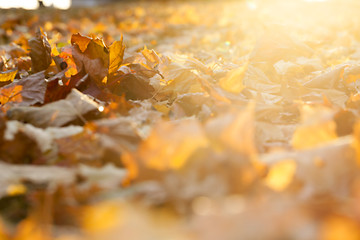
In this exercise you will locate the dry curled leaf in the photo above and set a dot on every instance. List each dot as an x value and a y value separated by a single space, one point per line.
73 108
40 52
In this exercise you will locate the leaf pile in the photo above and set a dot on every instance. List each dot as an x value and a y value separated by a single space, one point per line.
181 120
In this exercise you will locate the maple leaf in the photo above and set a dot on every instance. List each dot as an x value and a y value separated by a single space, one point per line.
116 55
81 41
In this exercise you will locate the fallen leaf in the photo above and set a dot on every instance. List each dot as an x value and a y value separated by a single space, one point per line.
232 82
132 86
10 94
58 86
116 55
81 41
335 173
32 87
95 58
40 52
58 113
15 174
8 76
106 177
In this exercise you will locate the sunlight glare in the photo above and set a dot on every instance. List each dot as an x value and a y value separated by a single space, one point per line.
251 5
29 4
62 4
34 4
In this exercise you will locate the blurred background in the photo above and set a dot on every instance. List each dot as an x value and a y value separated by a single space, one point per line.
65 4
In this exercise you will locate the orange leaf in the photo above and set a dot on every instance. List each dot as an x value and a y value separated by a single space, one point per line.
12 94
81 41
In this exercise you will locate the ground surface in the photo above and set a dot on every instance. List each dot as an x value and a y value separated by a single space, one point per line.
180 120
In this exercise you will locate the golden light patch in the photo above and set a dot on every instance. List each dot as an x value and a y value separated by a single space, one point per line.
311 136
233 81
101 217
281 175
16 189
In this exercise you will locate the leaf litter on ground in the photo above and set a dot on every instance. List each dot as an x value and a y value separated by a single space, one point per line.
186 120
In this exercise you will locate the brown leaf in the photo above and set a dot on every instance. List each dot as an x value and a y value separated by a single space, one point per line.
33 89
18 147
118 134
133 86
95 58
40 52
58 86
56 114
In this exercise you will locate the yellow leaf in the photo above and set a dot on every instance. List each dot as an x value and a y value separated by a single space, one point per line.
150 56
116 54
281 174
233 81
8 75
